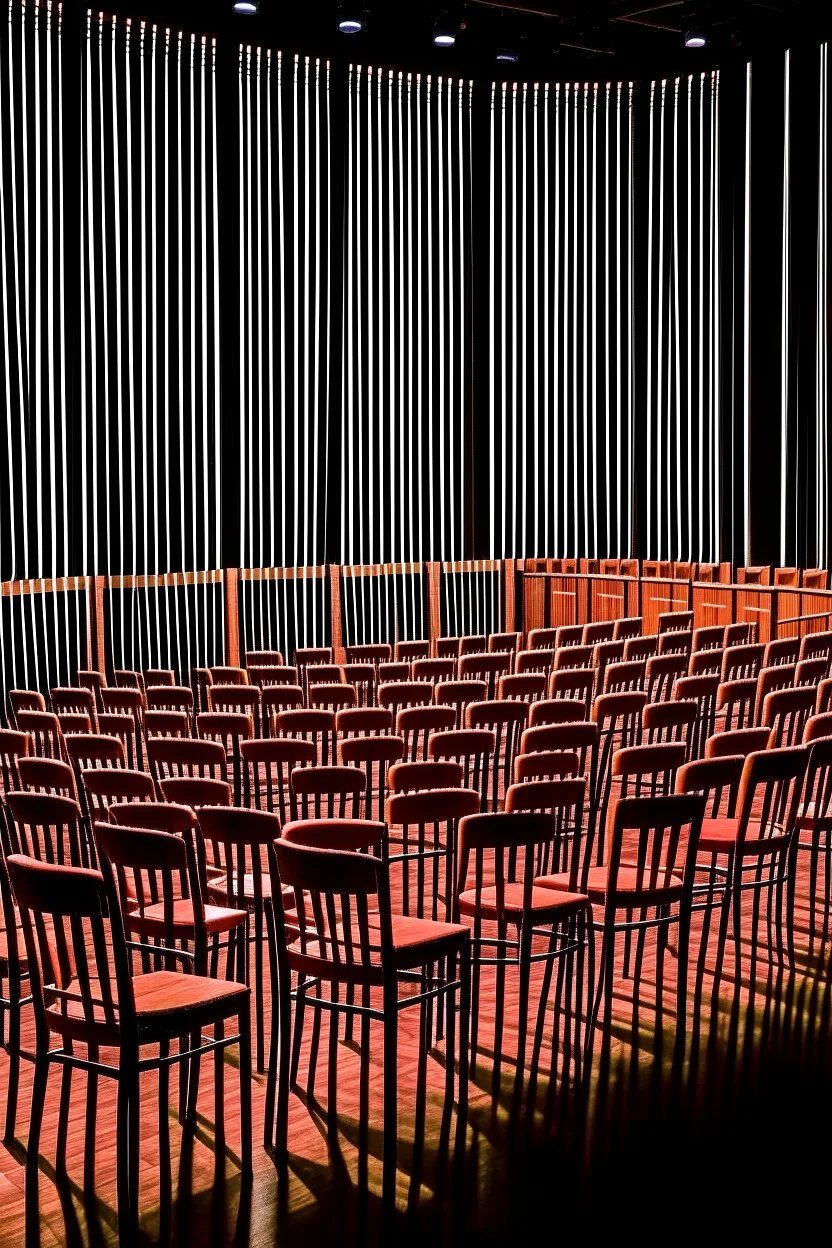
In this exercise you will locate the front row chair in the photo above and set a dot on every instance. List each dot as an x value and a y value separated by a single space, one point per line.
344 935
85 995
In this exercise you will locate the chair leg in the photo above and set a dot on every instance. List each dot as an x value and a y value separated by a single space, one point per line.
90 1125
391 1052
13 1046
244 1023
33 1148
127 1150
524 969
285 1058
219 1100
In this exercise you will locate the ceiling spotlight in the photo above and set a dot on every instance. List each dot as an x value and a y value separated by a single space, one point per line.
506 56
350 24
695 39
443 35
248 7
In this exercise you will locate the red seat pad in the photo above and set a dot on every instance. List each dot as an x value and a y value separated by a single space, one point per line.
596 882
542 900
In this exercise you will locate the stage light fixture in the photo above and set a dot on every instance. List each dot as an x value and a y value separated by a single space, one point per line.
506 56
247 7
350 23
695 39
444 36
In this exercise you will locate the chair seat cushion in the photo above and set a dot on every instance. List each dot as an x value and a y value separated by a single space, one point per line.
217 918
597 877
4 952
218 889
719 836
415 942
543 900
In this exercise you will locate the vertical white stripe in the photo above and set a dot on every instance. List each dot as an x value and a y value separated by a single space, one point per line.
746 327
785 307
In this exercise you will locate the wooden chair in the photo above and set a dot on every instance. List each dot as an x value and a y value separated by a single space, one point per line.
167 724
421 845
786 713
275 700
85 995
662 672
305 725
374 755
268 764
545 765
356 942
741 662
331 792
558 711
101 786
628 627
170 698
814 838
433 670
640 649
577 683
230 729
668 721
460 694
263 658
24 700
196 791
736 741
46 775
364 721
408 651
416 724
14 747
44 731
511 917
473 749
735 703
506 720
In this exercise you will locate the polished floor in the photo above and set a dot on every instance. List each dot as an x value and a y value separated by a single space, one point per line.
728 1142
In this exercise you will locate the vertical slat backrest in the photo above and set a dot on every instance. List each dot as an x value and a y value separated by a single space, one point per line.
47 827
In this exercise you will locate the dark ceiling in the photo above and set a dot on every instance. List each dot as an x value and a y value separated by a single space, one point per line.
552 38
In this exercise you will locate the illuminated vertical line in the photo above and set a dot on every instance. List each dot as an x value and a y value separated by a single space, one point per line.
24 351
261 479
61 334
118 327
145 505
515 313
442 87
630 343
419 318
307 466
545 414
492 346
746 328
394 364
347 364
154 331
183 476
593 295
316 349
52 316
536 547
407 400
565 427
454 299
521 316
131 367
649 302
662 464
205 562
430 259
713 270
216 341
607 362
557 410
6 364
695 551
785 304
576 498
676 333
299 467
328 236
503 316
707 550
93 339
282 313
252 341
36 355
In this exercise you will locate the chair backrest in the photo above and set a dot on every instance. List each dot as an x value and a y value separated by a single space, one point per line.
768 681
275 700
185 756
668 721
361 677
652 853
786 712
717 779
817 646
396 695
473 643
675 622
196 791
364 721
575 656
546 765
472 748
459 694
816 807
508 643
770 791
740 662
243 700
127 679
647 770
45 736
159 676
703 691
641 648
500 850
538 659
624 676
711 637
146 868
374 755
78 966
417 777
810 672
416 723
421 839
78 724
47 826
268 763
522 686
676 642
235 841
392 673
565 636
334 892
736 699
559 710
739 634
627 627
547 638
782 652
736 741
407 651
561 801
73 701
86 750
332 697
331 792
705 663
14 746
46 775
662 672
485 667
267 677
354 835
25 700
317 726
158 816
433 670
263 658
818 726
506 719
379 652
126 728
101 786
576 683
167 724
598 630
170 698
228 676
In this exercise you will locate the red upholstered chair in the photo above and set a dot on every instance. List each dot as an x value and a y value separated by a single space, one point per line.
662 673
263 658
169 757
268 677
506 720
705 663
156 816
236 699
504 643
646 770
362 678
810 672
74 701
14 746
170 698
675 622
85 995
76 723
14 975
577 683
741 662
125 678
331 697
569 657
375 653
618 719
769 680
703 691
473 643
473 749
566 636
230 729
539 660
408 651
415 724
101 786
646 884
598 631
433 670
641 648
624 677
392 673
305 725
782 652
546 765
122 716
374 755
407 777
817 645
735 702
522 687
235 843
485 667
364 721
668 721
711 637
818 726
547 638
268 763
167 724
276 699
676 642
361 946
718 780
196 791
736 741
45 736
421 844
499 856
558 711
46 775
786 713
814 838
754 850
460 694
628 627
159 676
396 695
331 792
739 634
24 700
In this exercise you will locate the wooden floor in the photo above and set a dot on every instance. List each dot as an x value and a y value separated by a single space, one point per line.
731 1142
